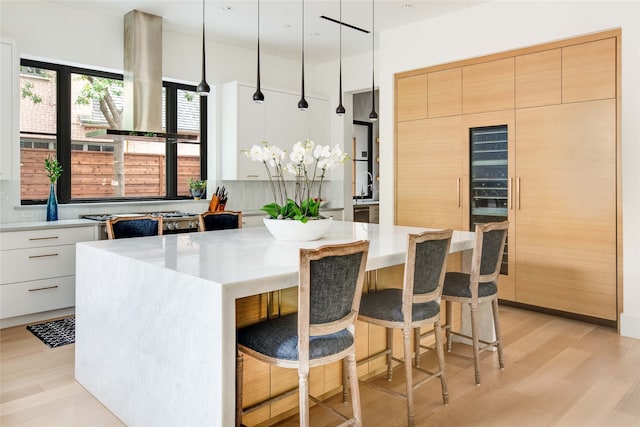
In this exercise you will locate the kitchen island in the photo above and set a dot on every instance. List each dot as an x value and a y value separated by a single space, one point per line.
155 316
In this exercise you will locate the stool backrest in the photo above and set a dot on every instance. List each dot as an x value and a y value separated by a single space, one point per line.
425 266
134 226
330 288
488 251
222 220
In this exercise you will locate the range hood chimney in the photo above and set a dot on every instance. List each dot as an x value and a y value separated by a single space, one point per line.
142 95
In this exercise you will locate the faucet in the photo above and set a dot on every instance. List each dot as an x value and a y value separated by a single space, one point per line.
365 176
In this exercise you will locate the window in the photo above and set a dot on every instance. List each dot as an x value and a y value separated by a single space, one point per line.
61 104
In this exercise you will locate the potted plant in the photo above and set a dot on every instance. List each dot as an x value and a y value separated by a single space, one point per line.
54 170
308 164
197 188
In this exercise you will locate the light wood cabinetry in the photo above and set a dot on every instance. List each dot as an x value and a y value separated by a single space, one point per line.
37 271
566 207
277 120
488 86
9 127
445 93
589 71
539 78
558 102
429 182
411 99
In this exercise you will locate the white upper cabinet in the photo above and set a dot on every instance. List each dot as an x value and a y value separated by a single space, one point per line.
9 134
277 120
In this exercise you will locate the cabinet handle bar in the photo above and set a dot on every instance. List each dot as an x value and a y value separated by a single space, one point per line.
518 191
42 256
458 190
43 238
510 193
42 289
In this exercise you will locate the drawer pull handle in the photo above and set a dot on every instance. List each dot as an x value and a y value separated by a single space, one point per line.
253 176
42 289
42 256
43 238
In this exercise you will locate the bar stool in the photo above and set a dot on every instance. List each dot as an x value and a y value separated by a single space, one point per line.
133 226
220 220
414 306
478 286
323 330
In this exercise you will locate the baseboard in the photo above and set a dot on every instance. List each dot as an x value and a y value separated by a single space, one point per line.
35 317
559 313
630 325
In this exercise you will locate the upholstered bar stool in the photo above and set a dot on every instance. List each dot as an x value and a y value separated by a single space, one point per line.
415 306
133 226
222 220
323 329
478 286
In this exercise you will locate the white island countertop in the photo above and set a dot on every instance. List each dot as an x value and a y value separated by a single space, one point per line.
155 327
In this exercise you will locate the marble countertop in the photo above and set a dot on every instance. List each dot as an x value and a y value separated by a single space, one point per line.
41 225
232 258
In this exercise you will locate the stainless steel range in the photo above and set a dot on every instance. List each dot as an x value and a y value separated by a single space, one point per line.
173 222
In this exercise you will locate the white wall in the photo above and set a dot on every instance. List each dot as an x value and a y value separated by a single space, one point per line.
505 25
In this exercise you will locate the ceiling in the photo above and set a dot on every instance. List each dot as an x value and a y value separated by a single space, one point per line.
235 21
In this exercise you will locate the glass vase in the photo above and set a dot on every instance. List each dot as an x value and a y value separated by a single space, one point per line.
52 204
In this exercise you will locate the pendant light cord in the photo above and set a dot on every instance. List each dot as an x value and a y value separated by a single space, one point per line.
203 88
340 110
373 116
302 104
258 96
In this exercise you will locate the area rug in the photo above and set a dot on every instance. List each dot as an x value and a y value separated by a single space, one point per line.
55 333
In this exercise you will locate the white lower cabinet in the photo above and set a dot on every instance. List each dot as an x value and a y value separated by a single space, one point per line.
38 269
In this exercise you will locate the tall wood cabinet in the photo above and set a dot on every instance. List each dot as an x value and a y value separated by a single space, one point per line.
559 104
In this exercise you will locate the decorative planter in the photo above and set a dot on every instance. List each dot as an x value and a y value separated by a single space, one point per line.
296 231
52 204
197 193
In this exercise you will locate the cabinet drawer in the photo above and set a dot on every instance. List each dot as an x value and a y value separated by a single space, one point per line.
21 265
45 237
18 299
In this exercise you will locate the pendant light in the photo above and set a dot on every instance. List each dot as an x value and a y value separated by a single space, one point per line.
258 96
303 104
340 110
373 116
203 88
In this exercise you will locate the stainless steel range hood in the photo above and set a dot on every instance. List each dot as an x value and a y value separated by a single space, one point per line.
142 109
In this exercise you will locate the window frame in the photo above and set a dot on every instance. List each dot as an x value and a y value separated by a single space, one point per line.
64 141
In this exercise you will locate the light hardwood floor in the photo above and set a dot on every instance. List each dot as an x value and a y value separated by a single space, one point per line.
558 372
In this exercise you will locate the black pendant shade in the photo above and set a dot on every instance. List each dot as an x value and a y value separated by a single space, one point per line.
373 116
258 96
340 110
203 88
302 104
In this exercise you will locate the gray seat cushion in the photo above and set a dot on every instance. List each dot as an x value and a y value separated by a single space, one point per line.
457 285
387 305
278 338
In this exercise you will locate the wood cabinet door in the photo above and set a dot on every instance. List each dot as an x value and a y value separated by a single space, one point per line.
566 207
429 173
411 97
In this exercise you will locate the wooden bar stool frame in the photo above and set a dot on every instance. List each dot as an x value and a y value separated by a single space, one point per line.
410 324
306 330
483 272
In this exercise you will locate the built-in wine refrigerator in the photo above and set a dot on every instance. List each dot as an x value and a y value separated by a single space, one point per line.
489 177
